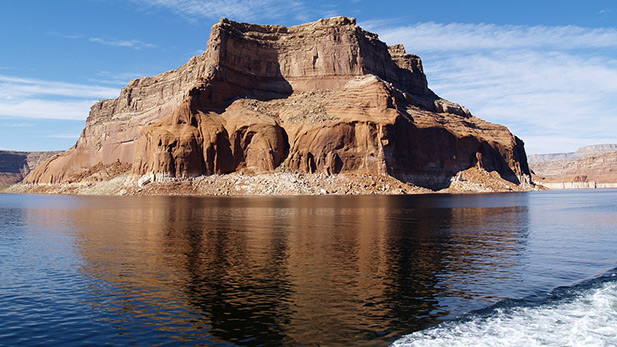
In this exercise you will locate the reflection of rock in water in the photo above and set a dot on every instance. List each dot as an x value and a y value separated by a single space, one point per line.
297 270
235 270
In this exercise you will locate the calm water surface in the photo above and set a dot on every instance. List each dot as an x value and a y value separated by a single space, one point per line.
301 270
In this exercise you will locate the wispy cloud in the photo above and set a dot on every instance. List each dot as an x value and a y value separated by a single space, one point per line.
16 87
47 109
135 44
35 98
552 86
234 9
434 37
62 136
117 78
108 41
65 36
17 124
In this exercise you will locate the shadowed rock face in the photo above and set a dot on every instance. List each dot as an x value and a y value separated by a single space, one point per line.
324 97
14 166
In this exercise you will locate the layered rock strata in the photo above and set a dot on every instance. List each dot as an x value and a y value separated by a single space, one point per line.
588 167
326 97
14 166
581 152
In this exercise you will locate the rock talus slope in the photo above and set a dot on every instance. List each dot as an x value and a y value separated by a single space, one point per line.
326 97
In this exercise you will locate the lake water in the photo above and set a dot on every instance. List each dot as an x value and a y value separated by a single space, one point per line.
495 269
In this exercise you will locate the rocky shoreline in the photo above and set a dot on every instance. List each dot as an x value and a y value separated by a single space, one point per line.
270 184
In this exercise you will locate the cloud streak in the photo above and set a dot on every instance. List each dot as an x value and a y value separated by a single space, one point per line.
63 136
434 37
69 37
249 10
17 124
116 78
35 98
47 109
135 44
554 87
108 41
11 87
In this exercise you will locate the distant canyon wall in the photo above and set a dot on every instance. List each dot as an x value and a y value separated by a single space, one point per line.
587 168
14 166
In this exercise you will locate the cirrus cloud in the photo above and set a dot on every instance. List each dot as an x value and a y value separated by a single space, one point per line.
35 98
135 44
236 9
435 37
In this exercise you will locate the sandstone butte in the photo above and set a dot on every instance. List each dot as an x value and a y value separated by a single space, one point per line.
322 98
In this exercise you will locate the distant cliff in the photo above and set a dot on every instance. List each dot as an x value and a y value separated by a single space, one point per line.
580 153
14 166
588 167
320 98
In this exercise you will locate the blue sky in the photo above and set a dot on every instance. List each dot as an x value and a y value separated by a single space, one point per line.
546 69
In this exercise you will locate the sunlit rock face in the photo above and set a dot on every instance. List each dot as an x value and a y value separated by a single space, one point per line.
588 167
323 97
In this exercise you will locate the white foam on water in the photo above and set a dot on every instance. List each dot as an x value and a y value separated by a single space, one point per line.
589 319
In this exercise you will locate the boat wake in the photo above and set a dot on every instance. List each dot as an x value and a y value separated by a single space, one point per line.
581 315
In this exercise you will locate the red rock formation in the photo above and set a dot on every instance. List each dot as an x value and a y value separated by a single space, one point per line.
324 97
591 164
14 166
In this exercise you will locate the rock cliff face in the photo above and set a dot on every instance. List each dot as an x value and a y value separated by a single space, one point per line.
571 156
325 97
588 167
14 166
